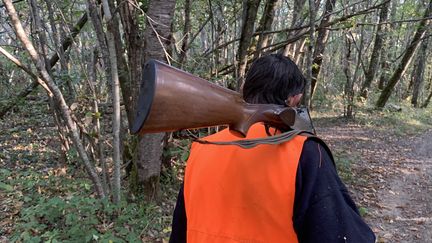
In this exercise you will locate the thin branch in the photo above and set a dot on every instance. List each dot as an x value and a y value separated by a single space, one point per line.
303 31
358 50
25 69
303 27
405 49
57 95
151 21
16 1
396 21
52 61
69 40
159 37
199 31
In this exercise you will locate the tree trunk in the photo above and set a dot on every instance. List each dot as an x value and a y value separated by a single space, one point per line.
309 60
116 188
265 25
419 72
92 80
376 52
320 45
186 33
134 45
385 94
426 102
250 9
157 38
386 54
349 86
296 22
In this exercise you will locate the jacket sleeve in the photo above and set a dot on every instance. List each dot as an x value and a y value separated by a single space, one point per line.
323 209
179 224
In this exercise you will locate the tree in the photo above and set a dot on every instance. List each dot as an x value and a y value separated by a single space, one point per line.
297 21
426 102
308 89
250 9
52 62
265 25
186 33
157 41
419 70
376 52
320 45
54 92
385 94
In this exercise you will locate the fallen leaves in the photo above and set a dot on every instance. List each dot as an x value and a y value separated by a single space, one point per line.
391 176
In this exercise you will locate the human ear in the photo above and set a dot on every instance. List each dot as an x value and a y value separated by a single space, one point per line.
293 101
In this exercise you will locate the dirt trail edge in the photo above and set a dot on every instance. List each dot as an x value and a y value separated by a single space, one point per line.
390 177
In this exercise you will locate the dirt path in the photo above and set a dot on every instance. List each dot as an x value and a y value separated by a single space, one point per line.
391 178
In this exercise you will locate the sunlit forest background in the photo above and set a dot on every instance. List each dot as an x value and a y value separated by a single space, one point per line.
70 74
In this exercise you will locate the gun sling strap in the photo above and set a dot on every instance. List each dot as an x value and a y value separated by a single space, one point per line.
250 143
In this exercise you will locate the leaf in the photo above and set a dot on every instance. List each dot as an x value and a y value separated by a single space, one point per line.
6 187
74 106
97 115
184 156
5 172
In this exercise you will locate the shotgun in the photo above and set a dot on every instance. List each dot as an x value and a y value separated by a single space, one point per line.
171 99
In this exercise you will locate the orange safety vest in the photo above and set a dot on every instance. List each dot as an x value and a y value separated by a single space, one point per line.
241 195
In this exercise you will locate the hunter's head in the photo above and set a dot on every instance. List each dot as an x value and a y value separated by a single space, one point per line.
274 79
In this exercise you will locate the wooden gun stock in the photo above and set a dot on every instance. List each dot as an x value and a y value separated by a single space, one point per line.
171 99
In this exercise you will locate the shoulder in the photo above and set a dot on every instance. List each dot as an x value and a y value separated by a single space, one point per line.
314 148
316 164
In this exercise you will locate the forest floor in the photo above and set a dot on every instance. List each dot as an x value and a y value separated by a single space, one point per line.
384 158
388 170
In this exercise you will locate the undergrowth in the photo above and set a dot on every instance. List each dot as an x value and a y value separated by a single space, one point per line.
53 202
45 200
53 207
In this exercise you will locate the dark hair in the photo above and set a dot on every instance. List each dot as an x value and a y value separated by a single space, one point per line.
272 79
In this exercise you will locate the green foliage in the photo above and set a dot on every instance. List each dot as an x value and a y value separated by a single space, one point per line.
363 211
406 122
53 207
344 162
178 150
81 219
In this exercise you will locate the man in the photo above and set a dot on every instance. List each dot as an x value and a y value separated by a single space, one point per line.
289 192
